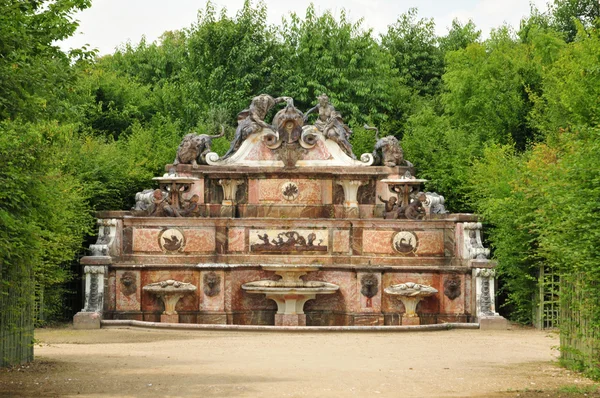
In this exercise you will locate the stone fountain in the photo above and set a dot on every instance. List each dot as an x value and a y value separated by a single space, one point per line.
170 292
290 198
410 294
290 292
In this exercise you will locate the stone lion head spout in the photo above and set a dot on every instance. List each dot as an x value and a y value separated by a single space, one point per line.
212 284
369 285
128 283
452 287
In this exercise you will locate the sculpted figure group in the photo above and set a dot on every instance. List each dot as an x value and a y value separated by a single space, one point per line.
412 211
194 147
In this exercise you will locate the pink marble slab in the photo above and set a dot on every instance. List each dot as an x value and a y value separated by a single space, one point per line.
236 239
379 242
341 241
146 240
430 243
199 240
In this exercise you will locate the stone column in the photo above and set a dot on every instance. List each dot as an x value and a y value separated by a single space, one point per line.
95 267
350 197
229 191
485 303
91 314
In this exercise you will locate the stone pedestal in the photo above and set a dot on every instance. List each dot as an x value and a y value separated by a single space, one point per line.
350 188
485 300
169 318
290 319
493 323
411 320
87 320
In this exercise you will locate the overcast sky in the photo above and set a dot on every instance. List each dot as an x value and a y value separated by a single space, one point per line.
110 23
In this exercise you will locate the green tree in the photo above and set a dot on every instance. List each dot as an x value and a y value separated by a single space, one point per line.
35 72
459 36
487 89
565 15
413 44
323 55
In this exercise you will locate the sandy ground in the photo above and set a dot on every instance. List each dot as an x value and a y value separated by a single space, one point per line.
147 363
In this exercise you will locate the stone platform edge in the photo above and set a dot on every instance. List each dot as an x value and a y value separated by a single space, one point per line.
309 329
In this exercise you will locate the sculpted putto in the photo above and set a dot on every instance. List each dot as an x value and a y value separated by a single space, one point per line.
194 148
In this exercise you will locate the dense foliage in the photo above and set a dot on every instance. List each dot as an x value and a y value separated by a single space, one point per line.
507 126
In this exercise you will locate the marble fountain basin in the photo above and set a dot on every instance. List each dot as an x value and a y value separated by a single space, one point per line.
290 292
410 293
170 292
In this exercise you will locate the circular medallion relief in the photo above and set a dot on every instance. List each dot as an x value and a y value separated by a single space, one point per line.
171 240
290 190
405 242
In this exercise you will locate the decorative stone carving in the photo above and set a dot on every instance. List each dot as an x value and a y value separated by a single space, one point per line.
485 291
405 242
288 123
452 286
160 206
143 200
387 150
94 288
175 186
128 283
211 283
434 203
369 287
191 207
415 210
391 207
107 231
288 241
289 190
473 247
171 240
170 292
194 148
407 189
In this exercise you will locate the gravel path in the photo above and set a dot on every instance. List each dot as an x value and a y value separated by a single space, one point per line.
148 363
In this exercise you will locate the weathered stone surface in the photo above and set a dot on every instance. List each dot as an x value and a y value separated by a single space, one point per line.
146 240
200 240
236 240
290 320
368 320
493 323
87 320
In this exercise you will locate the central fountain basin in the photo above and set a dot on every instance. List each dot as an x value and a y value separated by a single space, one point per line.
290 292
